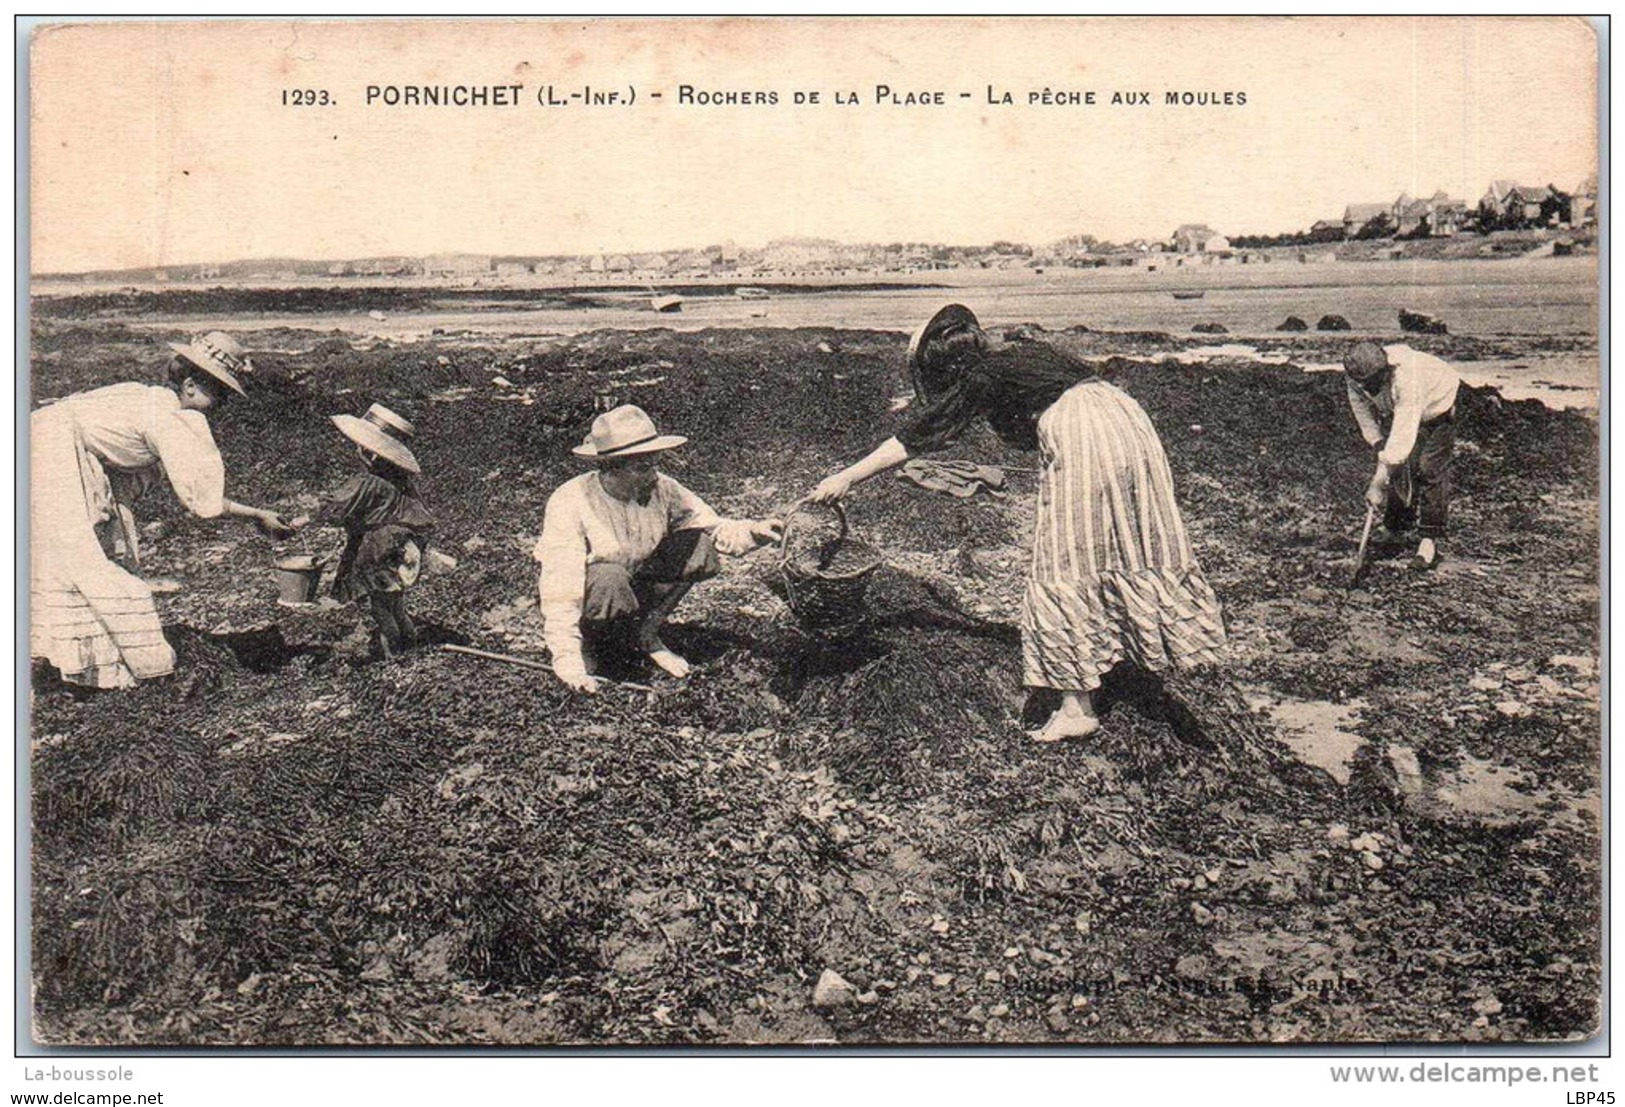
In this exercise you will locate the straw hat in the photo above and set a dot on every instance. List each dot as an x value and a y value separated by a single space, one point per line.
950 318
625 431
381 431
219 355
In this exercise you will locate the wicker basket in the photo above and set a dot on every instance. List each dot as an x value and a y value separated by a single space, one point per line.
826 570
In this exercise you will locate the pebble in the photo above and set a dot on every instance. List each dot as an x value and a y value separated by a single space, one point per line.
940 926
869 998
1484 684
1514 709
1083 923
1585 665
943 979
1199 884
833 990
923 958
1557 968
992 976
1213 874
1201 915
999 1010
1337 833
1012 951
1372 861
1489 1005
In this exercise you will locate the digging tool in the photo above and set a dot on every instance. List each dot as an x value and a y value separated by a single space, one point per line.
132 536
1362 563
526 663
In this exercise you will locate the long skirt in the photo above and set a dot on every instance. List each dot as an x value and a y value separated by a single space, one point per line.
91 619
1113 575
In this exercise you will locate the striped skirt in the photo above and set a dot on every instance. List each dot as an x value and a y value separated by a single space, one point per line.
1113 576
88 617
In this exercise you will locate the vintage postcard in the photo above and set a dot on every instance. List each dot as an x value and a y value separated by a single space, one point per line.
911 532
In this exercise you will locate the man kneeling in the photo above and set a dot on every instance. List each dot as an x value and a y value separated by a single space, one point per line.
621 546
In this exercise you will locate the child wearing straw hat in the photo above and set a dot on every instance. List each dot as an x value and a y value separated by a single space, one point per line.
386 524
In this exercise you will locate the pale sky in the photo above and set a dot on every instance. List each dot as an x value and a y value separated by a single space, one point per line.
168 143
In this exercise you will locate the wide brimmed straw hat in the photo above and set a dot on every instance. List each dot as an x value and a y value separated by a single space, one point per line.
383 432
953 317
219 355
625 431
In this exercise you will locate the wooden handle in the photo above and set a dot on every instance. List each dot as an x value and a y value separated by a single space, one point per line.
522 662
526 663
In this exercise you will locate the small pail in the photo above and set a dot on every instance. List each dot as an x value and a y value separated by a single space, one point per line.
296 580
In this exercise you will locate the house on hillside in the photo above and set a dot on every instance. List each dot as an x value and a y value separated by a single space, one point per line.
1583 204
1357 217
1193 238
1508 205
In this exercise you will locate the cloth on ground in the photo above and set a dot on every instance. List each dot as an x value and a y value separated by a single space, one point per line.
957 478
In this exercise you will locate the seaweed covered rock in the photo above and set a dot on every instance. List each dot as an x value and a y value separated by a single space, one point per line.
1415 322
1210 328
1292 323
1333 323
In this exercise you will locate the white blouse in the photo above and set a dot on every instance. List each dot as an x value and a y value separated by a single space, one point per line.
134 426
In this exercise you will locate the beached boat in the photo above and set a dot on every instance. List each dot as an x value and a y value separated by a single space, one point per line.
667 303
752 293
1190 295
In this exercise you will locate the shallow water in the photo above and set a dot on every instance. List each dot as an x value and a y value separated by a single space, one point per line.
1550 296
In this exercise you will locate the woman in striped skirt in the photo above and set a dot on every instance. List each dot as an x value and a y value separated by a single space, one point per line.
1113 576
90 618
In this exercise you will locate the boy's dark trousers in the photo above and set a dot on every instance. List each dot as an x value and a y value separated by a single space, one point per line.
1419 495
631 605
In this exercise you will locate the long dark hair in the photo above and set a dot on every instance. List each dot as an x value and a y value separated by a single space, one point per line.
943 357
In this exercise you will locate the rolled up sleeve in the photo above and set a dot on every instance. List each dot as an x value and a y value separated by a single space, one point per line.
1365 414
562 584
192 461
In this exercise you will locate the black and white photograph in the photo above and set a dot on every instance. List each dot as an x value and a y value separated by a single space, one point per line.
761 534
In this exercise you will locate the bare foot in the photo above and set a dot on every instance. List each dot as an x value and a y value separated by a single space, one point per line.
669 662
1064 725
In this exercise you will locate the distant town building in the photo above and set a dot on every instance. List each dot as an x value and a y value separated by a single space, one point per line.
512 269
799 253
457 265
1357 217
1193 238
1583 204
1510 205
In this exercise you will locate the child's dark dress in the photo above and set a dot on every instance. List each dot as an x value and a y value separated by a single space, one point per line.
388 530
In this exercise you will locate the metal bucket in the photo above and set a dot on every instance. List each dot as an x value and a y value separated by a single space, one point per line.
297 578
